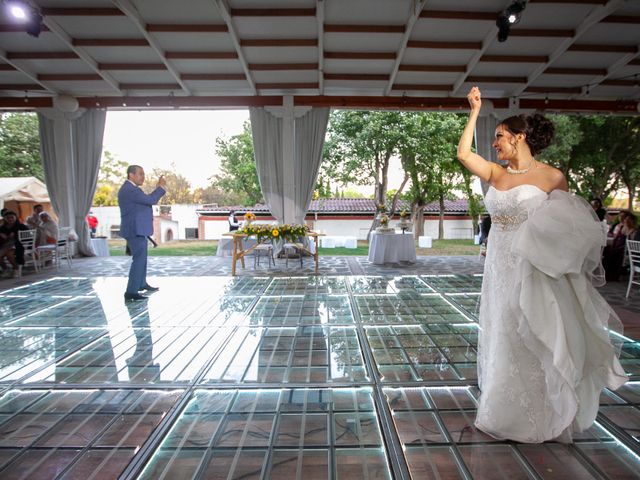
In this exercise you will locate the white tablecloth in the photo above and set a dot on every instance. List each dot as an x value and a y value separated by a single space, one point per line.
225 246
100 246
391 248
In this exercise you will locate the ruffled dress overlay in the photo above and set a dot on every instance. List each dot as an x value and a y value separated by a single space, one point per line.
544 352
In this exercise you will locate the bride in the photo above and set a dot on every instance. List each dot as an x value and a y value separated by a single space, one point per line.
544 351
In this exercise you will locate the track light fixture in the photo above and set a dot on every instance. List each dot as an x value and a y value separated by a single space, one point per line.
508 17
24 13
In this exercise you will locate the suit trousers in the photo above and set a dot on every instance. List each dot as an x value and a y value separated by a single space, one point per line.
138 270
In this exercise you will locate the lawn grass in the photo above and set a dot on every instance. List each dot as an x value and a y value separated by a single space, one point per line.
209 247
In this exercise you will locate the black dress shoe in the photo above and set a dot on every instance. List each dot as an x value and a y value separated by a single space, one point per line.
132 297
149 288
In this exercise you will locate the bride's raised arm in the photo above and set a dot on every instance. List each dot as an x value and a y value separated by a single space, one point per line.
472 161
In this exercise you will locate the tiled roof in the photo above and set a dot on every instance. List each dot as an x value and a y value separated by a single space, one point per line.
342 205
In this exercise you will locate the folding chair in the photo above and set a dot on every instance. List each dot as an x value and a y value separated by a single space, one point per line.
28 240
263 249
294 248
60 250
633 247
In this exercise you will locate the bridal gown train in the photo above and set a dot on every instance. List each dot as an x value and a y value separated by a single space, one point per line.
544 351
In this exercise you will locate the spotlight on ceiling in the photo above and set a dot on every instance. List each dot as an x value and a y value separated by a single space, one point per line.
25 14
508 17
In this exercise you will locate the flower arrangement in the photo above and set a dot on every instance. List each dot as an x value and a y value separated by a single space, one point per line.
404 214
249 216
384 220
380 208
287 232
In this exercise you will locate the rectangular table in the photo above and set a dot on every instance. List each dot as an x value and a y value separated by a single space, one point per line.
391 248
239 251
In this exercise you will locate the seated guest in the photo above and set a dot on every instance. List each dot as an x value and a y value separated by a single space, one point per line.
33 220
47 231
631 228
10 247
613 255
618 224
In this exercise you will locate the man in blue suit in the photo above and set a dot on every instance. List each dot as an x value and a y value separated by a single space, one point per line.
136 225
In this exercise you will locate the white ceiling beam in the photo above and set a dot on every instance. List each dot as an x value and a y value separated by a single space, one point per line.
132 13
320 21
225 11
486 42
613 70
25 71
413 18
593 18
59 32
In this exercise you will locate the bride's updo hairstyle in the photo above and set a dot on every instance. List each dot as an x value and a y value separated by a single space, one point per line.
538 130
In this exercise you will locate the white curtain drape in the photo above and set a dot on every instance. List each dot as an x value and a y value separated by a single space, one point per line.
310 132
87 133
71 151
55 178
266 130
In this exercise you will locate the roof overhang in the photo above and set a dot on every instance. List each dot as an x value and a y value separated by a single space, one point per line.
564 55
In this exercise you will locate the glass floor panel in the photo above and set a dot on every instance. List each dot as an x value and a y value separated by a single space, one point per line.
454 283
439 440
407 308
307 286
345 377
45 433
269 433
299 310
313 354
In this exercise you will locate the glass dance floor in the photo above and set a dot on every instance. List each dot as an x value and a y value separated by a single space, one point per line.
355 377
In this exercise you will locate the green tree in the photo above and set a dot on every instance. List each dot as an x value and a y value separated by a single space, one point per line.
20 146
238 167
214 195
360 145
112 173
178 187
429 159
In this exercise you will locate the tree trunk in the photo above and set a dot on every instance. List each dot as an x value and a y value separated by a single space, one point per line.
417 217
394 202
632 193
441 218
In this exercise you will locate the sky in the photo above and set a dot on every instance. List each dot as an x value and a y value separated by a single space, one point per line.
184 137
157 138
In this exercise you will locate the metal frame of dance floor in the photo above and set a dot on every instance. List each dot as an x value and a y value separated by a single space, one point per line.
353 376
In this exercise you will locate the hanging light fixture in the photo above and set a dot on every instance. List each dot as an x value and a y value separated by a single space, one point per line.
509 16
25 14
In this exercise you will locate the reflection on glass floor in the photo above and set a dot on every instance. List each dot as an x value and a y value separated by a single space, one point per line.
303 377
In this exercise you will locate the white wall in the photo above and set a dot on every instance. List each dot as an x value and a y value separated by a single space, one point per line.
165 226
453 229
350 228
106 216
186 217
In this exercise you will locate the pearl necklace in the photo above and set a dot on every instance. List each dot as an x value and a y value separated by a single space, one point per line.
514 171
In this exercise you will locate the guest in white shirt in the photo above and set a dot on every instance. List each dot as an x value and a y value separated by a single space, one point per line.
47 231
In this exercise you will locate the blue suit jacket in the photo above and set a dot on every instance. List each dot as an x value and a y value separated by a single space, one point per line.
136 210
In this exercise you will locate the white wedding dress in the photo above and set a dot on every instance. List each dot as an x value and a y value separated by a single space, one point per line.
544 352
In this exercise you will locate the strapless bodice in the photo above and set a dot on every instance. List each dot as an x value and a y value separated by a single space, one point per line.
508 208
